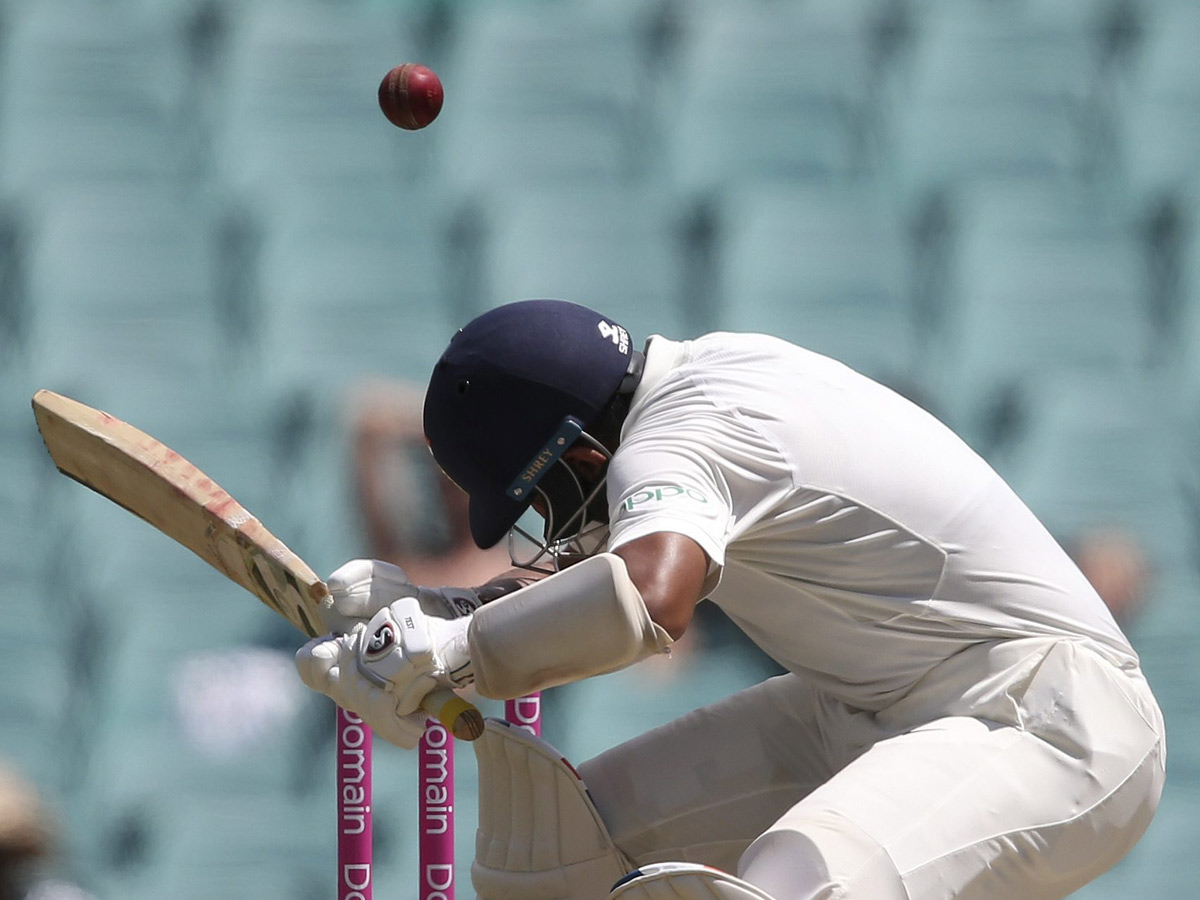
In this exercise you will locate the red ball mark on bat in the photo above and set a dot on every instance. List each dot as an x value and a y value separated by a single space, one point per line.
222 504
410 95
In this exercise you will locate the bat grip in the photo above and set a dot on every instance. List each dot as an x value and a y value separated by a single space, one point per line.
459 716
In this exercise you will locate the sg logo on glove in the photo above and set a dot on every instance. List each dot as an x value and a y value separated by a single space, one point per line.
381 643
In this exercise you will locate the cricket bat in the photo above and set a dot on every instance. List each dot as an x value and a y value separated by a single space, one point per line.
155 483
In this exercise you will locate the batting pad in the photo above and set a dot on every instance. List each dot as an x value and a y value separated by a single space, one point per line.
539 837
683 881
585 620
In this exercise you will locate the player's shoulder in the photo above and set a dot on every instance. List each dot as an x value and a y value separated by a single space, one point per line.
745 341
707 376
745 366
734 348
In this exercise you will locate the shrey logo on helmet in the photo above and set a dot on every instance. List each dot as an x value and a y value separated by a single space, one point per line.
615 333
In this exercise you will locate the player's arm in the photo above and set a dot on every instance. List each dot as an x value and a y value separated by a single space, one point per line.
669 572
505 583
583 621
602 614
360 588
586 620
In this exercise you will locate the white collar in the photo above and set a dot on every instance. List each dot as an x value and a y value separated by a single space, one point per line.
662 355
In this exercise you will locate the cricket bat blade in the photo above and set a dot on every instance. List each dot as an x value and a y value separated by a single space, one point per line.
152 481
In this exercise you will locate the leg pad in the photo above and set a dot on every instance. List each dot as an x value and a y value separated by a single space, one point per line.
683 881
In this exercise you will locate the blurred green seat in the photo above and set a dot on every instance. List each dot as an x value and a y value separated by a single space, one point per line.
352 283
208 847
121 284
588 717
998 90
619 250
37 733
1159 108
1187 308
1101 452
1041 281
193 709
829 268
299 97
768 92
539 94
92 92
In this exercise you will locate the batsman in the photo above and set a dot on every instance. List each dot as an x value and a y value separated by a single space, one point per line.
960 716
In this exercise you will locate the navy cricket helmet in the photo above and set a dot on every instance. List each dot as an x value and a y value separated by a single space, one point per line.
514 390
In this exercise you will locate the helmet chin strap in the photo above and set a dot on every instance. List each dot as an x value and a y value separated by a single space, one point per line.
569 535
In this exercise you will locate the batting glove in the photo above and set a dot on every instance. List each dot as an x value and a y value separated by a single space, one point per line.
384 669
362 587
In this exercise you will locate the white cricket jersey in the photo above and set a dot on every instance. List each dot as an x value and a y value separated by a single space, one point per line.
861 542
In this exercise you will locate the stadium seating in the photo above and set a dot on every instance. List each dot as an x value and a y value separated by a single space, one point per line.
44 709
588 717
1106 450
192 706
91 91
35 706
829 268
120 287
351 282
991 93
618 250
229 846
1160 133
1187 303
299 101
1042 281
768 92
207 227
540 93
12 314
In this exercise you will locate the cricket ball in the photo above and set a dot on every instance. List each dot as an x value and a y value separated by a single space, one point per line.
410 95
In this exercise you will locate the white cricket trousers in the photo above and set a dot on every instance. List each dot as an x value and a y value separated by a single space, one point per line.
1016 770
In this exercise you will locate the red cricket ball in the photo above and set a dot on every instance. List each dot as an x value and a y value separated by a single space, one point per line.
410 95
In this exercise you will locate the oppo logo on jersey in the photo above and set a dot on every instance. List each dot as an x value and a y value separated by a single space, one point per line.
615 333
666 492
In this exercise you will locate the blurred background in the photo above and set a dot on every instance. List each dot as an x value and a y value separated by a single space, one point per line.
207 228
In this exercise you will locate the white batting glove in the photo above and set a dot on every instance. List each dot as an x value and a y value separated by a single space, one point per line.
359 589
362 587
384 669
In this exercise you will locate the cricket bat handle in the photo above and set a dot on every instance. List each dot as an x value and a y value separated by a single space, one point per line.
460 717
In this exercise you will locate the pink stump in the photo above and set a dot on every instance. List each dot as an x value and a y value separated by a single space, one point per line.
354 807
525 712
435 761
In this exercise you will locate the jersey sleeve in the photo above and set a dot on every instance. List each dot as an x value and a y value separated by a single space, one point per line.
658 489
690 462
